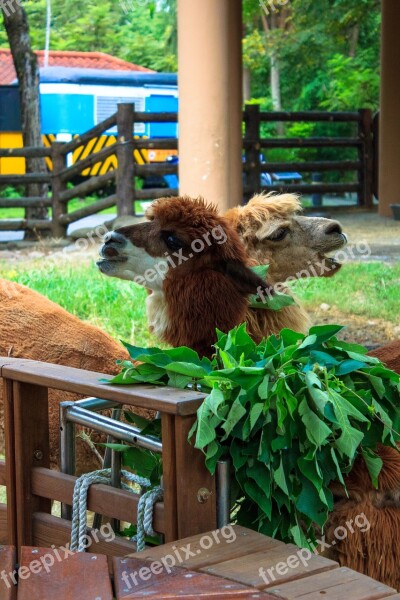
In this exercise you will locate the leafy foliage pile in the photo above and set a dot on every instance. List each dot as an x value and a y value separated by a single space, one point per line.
292 413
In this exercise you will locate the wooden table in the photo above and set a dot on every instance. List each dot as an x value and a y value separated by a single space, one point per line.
225 564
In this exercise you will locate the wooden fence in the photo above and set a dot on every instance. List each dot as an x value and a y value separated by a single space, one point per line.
32 486
362 144
123 179
62 178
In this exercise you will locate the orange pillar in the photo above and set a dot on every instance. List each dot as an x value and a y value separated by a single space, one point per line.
210 100
389 134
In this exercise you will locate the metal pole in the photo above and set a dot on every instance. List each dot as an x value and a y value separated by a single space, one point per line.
223 493
120 431
108 462
67 451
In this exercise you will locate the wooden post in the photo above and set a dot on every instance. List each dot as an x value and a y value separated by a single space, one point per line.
10 461
126 165
31 439
252 150
375 138
195 486
169 477
58 186
365 152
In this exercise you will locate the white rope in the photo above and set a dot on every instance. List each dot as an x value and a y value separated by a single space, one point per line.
144 511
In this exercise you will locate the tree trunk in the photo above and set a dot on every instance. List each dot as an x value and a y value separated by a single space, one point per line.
275 74
26 66
246 84
353 41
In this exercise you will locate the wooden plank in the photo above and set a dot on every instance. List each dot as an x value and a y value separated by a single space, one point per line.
49 530
89 210
156 143
311 116
26 152
196 490
17 224
8 401
25 179
8 590
333 585
102 499
203 550
91 133
3 524
125 178
169 478
136 578
69 379
3 476
31 434
27 202
46 575
280 564
317 142
88 161
87 187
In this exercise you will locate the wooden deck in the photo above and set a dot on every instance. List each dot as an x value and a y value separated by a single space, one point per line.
230 563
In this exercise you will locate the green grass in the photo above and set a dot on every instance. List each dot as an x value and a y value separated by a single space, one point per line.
118 307
115 306
367 289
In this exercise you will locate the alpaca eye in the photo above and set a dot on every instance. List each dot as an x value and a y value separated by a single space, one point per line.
279 234
173 242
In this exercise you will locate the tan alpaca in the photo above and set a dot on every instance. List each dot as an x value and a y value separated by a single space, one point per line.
294 246
31 326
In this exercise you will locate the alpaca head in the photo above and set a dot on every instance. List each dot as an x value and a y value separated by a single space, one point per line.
293 245
192 255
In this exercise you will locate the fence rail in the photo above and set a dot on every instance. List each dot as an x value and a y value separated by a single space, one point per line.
362 144
120 185
31 485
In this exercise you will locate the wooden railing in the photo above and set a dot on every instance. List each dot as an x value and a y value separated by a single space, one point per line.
122 181
63 176
32 486
361 143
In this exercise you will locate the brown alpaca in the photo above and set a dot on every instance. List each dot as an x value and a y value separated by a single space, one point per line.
389 355
375 552
192 257
31 326
294 246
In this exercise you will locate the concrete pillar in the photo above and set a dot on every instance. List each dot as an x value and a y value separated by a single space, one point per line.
210 100
389 135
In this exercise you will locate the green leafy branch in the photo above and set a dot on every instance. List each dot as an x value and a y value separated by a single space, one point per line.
293 413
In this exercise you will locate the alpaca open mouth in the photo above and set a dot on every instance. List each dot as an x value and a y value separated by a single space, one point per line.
329 258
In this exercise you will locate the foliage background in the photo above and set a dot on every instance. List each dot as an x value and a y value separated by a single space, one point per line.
327 51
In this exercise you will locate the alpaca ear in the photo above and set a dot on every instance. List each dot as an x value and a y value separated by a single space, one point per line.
245 279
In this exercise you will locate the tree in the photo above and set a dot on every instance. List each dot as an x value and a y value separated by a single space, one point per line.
25 62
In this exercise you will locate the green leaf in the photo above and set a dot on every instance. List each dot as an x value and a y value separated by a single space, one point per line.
348 366
263 388
276 301
374 465
235 414
261 270
187 369
317 430
325 332
255 412
280 478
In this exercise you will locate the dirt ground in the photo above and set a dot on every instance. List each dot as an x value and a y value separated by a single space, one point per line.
383 238
381 234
